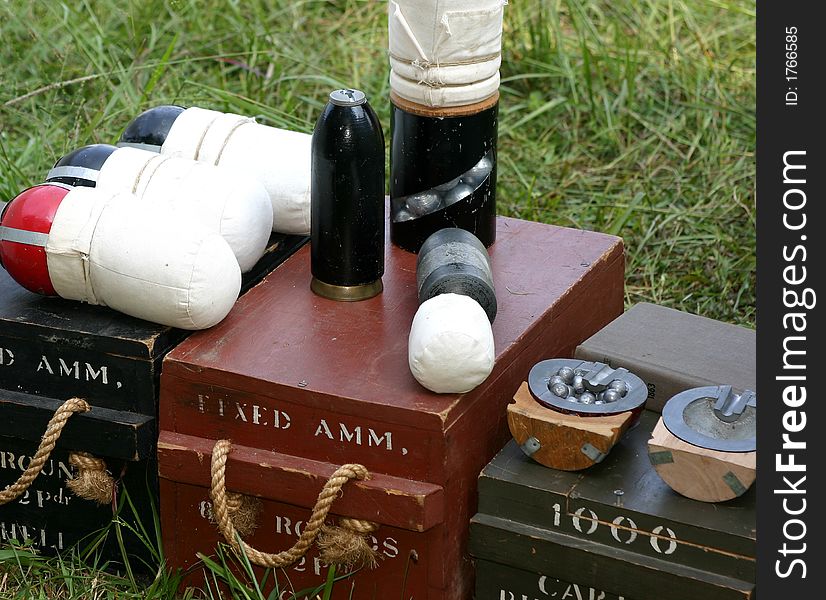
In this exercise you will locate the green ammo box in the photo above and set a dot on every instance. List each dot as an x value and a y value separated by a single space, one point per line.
613 531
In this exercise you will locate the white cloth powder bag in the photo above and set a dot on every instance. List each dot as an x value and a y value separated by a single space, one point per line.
445 53
105 248
450 348
224 201
278 158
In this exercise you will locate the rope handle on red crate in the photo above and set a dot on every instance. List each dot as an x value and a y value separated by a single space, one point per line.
91 481
345 544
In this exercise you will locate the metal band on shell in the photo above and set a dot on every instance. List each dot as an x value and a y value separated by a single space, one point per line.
140 146
21 236
714 417
74 172
590 388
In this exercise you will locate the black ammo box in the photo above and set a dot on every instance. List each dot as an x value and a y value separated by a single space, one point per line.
615 530
53 349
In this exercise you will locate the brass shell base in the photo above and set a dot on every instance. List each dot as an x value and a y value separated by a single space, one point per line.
346 293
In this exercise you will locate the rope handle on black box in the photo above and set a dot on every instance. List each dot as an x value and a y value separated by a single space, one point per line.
92 482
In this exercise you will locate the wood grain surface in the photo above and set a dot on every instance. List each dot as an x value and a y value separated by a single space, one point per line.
562 436
699 473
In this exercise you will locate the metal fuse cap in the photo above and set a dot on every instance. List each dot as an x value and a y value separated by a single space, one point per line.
347 97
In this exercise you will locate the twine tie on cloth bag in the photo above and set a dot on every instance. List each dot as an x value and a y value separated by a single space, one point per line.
92 481
345 544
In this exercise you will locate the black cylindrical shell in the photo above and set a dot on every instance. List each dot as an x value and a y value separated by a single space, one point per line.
347 193
454 261
434 154
149 129
81 167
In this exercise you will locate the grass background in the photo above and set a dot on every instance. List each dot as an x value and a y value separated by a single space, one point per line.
633 117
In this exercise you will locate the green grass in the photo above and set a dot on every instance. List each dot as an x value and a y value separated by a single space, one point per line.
634 117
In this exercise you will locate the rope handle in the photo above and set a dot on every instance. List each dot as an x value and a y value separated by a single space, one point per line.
345 544
92 481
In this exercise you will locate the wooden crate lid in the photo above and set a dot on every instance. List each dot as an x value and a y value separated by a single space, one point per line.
28 315
587 505
676 350
284 341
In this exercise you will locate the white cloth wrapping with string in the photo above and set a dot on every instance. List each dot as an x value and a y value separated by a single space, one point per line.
278 158
445 53
223 200
107 248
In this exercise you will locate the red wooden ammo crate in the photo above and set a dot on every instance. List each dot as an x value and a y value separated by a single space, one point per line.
301 385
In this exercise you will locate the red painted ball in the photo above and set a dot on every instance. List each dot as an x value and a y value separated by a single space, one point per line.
24 230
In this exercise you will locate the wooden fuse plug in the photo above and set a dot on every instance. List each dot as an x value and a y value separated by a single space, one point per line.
570 413
704 446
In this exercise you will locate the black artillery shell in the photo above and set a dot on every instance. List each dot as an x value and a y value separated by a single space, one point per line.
347 193
430 153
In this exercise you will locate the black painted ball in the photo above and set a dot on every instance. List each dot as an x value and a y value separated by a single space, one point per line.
81 167
149 129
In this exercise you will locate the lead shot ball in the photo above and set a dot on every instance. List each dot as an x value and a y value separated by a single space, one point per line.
457 194
619 386
567 375
424 203
556 380
448 186
587 398
478 173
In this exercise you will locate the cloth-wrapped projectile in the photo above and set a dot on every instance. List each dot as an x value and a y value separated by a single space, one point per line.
444 80
105 248
445 53
278 158
451 348
223 200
